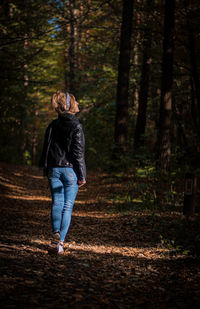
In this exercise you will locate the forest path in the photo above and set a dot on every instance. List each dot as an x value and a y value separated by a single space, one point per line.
113 260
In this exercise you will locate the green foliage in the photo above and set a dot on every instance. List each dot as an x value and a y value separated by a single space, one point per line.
149 189
29 70
99 130
27 157
34 60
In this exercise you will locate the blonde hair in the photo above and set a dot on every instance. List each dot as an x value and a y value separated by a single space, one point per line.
58 102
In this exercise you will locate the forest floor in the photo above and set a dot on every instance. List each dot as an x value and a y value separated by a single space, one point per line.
113 259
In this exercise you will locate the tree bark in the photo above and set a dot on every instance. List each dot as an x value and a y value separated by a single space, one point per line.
190 194
144 86
194 108
136 52
193 61
164 142
121 120
72 6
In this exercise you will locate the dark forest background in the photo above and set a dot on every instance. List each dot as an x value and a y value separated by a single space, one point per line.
134 67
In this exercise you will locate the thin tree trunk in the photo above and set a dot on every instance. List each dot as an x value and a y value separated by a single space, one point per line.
194 66
144 86
26 79
194 108
121 120
79 38
66 74
136 56
164 142
181 136
72 5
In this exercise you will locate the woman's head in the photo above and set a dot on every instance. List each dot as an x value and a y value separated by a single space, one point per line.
64 102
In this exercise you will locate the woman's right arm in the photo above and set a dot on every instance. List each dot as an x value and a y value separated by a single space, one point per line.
78 153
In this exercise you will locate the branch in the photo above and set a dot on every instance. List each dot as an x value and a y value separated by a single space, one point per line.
21 38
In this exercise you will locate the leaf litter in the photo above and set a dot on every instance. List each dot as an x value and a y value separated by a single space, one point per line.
112 259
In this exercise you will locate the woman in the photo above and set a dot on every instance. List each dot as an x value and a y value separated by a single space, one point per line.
64 164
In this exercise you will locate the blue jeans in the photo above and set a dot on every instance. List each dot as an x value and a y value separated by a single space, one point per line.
64 187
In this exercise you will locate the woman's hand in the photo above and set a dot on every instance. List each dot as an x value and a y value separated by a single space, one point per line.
81 183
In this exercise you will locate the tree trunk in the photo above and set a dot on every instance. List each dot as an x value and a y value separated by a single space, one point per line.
194 109
79 38
190 194
144 86
164 143
193 61
121 120
72 5
66 74
136 52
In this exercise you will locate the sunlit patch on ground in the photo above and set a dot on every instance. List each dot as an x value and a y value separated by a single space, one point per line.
113 259
28 197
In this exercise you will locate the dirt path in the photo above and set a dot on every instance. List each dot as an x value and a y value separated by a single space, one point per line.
114 260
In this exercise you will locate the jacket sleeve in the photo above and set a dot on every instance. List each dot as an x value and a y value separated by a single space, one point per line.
78 153
47 137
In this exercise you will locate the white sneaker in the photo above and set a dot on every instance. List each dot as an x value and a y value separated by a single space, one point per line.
60 248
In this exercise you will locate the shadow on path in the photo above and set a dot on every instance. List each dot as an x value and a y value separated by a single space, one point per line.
112 260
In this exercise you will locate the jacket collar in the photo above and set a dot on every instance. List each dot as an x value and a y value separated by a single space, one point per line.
67 116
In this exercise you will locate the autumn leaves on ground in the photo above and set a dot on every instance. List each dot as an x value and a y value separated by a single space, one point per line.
112 260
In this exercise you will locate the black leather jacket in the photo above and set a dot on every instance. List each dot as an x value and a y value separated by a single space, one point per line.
64 145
